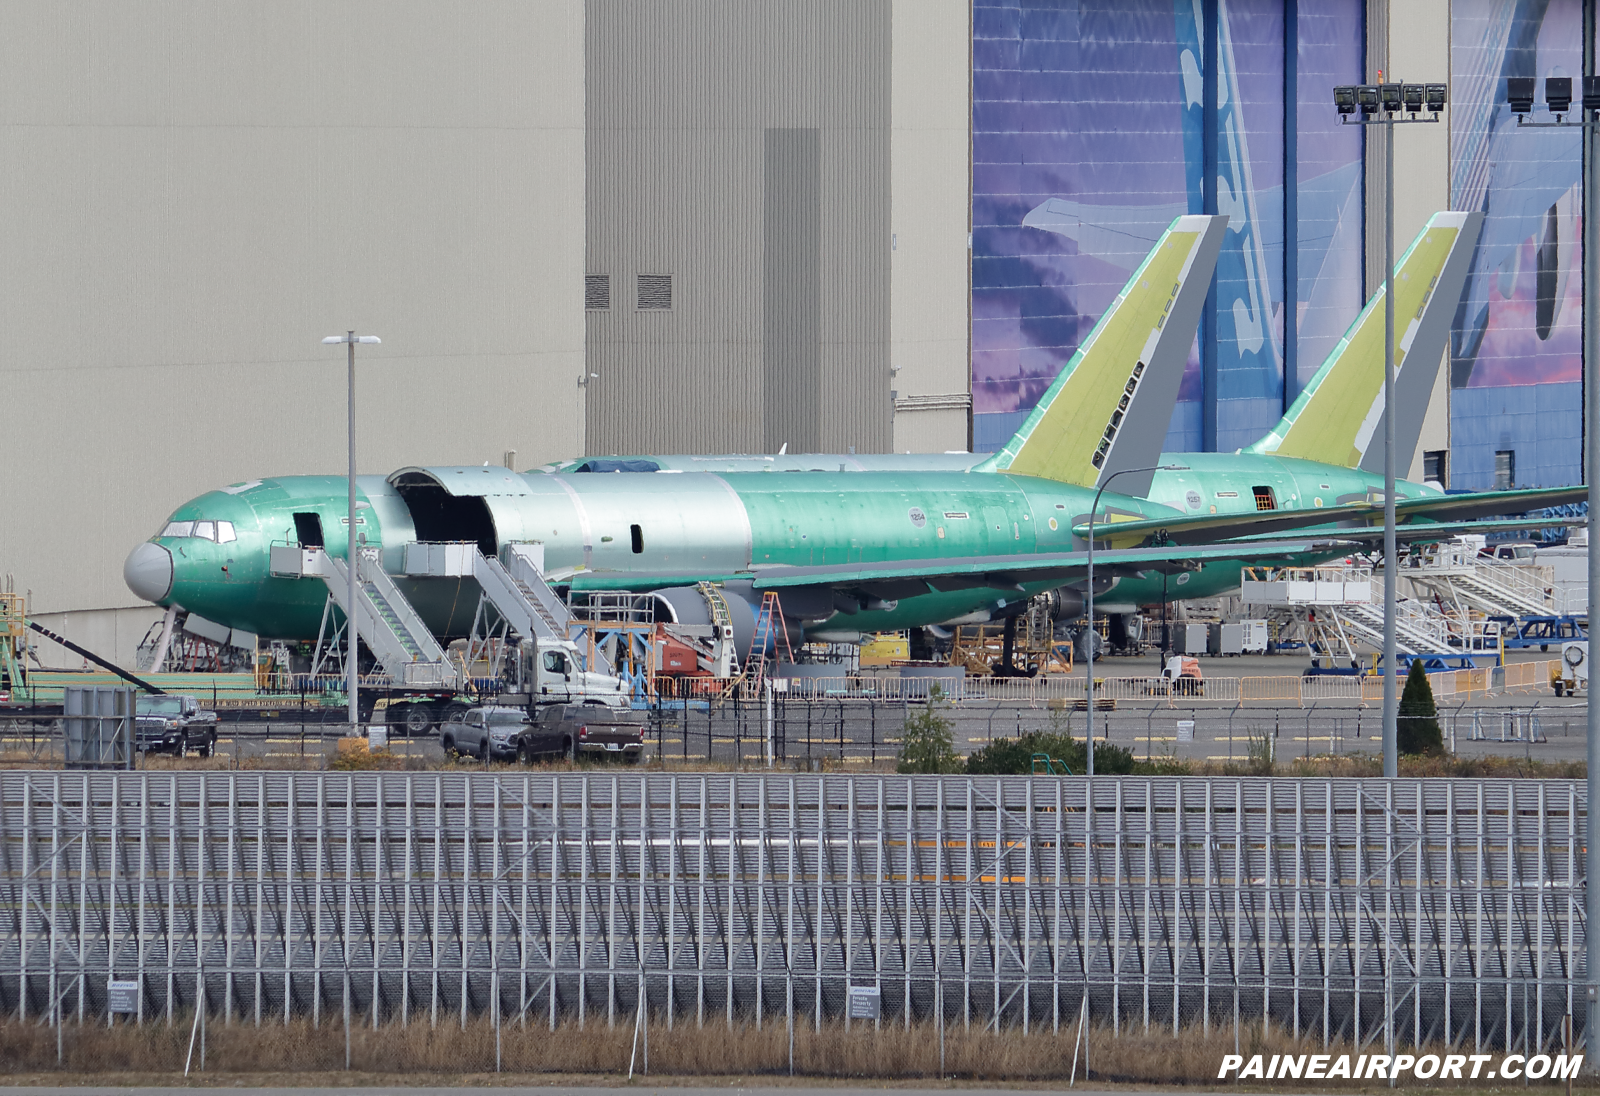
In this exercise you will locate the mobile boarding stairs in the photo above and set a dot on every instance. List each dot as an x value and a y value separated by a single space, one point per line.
1336 608
403 645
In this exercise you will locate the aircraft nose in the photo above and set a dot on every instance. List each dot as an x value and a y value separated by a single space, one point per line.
148 571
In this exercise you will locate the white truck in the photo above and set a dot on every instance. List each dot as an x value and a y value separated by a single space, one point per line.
538 672
545 671
1574 672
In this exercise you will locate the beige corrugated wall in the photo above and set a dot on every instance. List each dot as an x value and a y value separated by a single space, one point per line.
680 99
196 193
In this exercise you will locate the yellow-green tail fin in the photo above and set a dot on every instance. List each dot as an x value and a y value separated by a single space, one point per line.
1109 408
1338 417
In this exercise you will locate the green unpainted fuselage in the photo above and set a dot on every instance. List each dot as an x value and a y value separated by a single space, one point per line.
718 526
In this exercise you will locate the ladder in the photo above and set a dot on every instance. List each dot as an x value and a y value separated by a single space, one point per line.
724 656
393 631
13 651
769 632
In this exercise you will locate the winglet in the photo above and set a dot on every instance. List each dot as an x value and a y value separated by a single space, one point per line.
1345 397
1109 408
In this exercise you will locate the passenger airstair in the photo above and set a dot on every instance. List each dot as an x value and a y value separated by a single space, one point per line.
519 593
387 623
1339 607
1455 574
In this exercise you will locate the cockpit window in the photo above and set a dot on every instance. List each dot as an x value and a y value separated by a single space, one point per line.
221 532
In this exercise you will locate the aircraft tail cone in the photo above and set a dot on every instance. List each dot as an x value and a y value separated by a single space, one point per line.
148 571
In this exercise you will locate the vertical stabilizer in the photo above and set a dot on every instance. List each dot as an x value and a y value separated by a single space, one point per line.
1338 417
1110 406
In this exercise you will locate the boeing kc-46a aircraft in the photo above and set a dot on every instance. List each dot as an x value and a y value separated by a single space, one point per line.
848 552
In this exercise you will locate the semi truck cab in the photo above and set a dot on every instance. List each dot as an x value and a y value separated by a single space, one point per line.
546 671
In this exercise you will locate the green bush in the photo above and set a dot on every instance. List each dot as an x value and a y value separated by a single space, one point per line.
927 742
1417 728
1014 756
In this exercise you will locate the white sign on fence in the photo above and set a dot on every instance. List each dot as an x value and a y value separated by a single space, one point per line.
378 737
123 996
1185 730
865 1003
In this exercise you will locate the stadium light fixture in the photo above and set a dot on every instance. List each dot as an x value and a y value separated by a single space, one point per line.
1558 94
1591 93
1391 99
1519 93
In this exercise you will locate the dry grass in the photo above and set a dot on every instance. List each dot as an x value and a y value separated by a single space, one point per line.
420 1054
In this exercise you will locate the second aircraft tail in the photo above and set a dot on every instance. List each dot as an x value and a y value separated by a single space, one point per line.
1338 417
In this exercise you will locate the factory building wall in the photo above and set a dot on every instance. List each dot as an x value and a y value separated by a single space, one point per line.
199 193
1517 355
1095 124
930 191
738 225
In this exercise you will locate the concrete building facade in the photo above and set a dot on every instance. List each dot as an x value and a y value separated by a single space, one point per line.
199 193
579 226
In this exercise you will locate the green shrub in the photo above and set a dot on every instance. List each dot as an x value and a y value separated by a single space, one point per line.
927 742
1014 756
1417 728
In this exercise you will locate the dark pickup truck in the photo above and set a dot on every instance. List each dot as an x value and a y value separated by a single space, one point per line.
576 730
174 724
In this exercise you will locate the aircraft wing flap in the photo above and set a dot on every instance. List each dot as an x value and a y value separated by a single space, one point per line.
1001 572
1210 528
1488 503
1411 532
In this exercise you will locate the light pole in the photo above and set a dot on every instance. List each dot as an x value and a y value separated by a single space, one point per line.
1380 105
352 671
1088 644
1558 99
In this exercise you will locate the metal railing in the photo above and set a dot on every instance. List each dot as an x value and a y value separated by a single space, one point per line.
1406 910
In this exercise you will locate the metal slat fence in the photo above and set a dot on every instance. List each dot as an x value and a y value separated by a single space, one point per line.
1407 910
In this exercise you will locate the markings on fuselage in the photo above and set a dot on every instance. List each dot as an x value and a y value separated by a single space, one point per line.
583 522
744 519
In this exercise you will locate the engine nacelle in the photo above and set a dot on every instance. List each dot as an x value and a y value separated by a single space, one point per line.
687 605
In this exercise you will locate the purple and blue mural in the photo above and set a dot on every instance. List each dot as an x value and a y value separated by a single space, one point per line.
1089 137
1516 348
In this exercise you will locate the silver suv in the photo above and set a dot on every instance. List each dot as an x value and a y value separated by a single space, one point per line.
489 733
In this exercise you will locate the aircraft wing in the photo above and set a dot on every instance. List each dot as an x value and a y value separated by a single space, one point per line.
1488 503
892 580
1211 528
907 578
1412 532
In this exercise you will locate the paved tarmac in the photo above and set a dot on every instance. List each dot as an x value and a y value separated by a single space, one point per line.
642 1087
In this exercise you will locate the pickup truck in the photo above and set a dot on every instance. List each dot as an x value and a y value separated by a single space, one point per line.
175 724
489 732
576 730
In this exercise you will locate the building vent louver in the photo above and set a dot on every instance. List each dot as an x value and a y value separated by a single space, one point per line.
597 292
655 292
